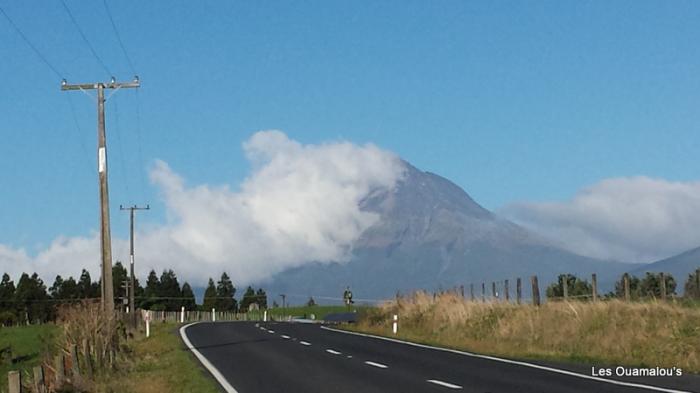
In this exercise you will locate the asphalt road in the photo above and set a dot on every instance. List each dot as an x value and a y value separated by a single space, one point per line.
295 357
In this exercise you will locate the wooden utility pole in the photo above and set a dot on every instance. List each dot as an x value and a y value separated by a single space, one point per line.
105 235
594 285
132 277
626 283
565 286
506 290
518 290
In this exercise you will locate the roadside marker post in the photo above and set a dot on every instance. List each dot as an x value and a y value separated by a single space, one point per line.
395 325
148 324
182 314
265 316
213 315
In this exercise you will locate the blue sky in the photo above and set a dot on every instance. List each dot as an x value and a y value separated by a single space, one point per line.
513 101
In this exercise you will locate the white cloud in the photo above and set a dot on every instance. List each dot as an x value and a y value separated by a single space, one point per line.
636 219
299 204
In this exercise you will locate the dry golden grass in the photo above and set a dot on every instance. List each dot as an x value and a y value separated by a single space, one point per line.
614 332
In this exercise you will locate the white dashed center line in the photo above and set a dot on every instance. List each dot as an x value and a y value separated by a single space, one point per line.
285 337
445 384
271 331
304 343
334 352
376 364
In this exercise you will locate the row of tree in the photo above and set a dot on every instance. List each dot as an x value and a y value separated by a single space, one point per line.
30 300
649 286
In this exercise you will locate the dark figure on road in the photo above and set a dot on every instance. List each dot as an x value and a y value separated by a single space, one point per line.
347 296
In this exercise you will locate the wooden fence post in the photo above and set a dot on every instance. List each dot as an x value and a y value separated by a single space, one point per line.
626 283
535 291
594 281
60 368
565 286
483 292
461 290
494 295
697 282
87 355
14 379
75 366
471 291
662 278
518 290
505 290
39 382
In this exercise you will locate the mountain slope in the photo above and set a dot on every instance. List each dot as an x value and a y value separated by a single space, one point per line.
433 235
680 266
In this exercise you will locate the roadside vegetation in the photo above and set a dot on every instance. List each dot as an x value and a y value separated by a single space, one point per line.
649 333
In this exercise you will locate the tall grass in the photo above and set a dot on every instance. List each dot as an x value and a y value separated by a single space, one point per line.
614 332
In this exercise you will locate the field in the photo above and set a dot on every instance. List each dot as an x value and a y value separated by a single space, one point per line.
306 311
28 344
606 332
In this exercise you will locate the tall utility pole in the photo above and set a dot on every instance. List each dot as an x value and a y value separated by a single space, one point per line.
105 235
132 280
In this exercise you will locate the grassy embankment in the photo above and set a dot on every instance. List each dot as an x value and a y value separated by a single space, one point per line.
29 344
606 332
160 363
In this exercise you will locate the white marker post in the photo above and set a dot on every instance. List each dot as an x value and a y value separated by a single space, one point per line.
148 324
395 325
265 316
182 314
213 315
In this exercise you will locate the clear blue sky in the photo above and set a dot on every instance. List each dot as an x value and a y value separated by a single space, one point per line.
513 101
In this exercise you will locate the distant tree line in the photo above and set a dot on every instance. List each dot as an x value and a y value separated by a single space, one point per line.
647 287
31 301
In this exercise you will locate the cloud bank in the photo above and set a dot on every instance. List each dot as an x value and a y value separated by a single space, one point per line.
300 204
635 219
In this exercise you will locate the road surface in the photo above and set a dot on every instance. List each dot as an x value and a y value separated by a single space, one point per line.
252 357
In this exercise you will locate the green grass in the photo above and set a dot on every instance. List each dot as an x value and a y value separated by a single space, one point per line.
29 344
318 311
160 363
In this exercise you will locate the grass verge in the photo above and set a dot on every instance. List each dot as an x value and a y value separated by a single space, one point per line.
611 332
28 345
160 363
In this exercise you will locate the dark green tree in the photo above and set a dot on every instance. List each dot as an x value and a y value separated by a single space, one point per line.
86 288
261 298
169 291
311 302
188 300
209 296
8 309
576 287
635 288
31 299
650 286
119 280
150 300
248 298
225 291
691 287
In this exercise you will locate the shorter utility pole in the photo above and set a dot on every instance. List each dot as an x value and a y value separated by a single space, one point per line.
284 300
132 291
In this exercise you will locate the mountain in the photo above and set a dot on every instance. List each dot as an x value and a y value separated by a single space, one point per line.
679 266
431 234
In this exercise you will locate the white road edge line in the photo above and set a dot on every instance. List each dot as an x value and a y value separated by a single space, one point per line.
376 364
210 367
304 343
334 352
517 362
445 384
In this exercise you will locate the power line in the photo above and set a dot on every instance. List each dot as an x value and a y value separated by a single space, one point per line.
29 43
72 18
119 38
